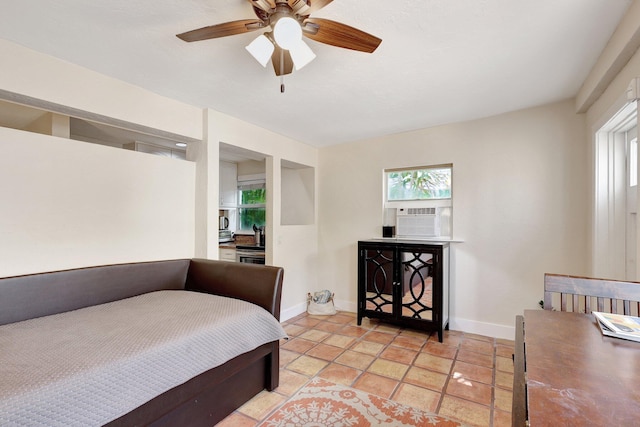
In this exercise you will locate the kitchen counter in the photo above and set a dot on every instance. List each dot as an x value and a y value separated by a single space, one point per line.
239 239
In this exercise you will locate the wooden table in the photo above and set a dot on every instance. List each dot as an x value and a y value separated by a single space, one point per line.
574 376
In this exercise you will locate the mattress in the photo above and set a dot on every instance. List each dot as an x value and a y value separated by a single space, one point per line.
93 365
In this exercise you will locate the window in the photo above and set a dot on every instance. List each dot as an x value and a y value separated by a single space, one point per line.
252 198
425 183
418 201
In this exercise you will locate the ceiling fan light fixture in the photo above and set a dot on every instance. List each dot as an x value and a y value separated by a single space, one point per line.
261 49
301 54
284 23
287 32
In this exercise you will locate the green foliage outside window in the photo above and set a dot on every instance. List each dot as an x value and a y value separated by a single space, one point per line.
419 184
249 217
252 197
252 208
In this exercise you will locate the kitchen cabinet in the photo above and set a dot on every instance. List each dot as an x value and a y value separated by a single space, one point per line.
228 184
405 282
227 254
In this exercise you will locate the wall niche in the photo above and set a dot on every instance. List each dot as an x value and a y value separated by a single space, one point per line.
297 194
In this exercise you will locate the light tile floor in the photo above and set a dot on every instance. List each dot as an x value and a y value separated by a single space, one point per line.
468 377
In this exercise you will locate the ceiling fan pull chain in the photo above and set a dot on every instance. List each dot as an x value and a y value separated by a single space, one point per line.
281 68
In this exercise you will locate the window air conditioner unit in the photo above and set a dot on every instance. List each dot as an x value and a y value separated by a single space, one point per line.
418 222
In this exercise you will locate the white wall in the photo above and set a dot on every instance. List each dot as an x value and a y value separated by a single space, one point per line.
294 248
67 204
51 80
298 196
602 94
251 167
520 194
520 201
117 211
612 63
610 100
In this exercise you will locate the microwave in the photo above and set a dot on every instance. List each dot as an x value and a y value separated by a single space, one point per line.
225 236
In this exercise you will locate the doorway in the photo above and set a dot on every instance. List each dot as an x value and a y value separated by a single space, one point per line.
616 234
631 232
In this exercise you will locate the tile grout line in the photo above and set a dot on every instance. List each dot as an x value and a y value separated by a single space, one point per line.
493 385
402 379
449 376
369 330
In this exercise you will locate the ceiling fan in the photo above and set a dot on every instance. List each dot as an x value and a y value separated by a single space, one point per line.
286 21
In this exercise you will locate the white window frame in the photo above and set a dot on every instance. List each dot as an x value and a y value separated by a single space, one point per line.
248 180
609 248
392 204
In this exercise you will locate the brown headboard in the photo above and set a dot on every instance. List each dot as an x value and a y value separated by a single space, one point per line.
259 284
36 295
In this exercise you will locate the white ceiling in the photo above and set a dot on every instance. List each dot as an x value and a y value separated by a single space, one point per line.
440 61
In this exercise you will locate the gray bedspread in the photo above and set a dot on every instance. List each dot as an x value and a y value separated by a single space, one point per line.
93 365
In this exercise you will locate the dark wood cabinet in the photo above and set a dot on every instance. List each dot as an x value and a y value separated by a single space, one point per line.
405 282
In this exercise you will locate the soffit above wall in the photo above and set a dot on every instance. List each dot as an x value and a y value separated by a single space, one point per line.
622 45
17 116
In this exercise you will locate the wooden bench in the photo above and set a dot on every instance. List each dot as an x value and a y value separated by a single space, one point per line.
584 294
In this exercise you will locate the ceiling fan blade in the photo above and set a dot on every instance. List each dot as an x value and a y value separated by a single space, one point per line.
222 30
316 5
282 62
265 5
299 7
340 35
261 14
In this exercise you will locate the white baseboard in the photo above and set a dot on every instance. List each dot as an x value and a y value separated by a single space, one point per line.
464 325
291 312
348 306
482 328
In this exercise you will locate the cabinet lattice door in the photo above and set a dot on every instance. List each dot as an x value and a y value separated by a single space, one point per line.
402 282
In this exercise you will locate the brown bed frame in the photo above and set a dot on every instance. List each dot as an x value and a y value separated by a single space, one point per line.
205 399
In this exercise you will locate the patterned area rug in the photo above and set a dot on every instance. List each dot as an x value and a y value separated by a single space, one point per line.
324 404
